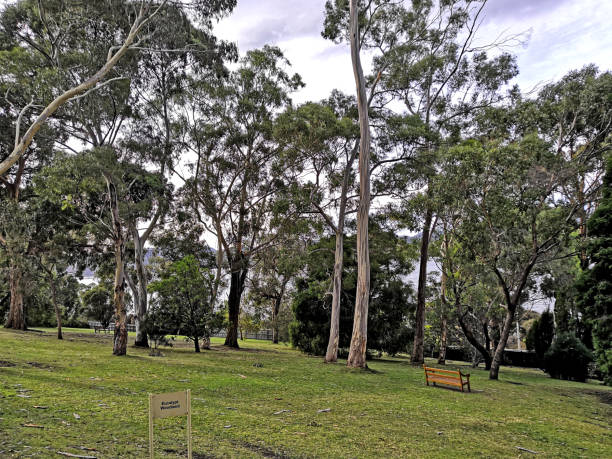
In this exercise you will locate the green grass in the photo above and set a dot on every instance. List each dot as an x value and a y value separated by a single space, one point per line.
385 412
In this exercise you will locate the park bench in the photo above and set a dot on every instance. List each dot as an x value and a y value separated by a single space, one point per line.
447 377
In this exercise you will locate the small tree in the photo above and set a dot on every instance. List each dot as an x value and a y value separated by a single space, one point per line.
185 291
158 324
98 304
541 334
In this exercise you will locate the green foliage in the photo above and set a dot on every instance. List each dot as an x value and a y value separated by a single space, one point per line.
391 304
541 334
568 358
595 283
157 326
183 295
98 302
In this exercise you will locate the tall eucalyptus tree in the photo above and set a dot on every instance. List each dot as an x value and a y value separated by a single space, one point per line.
240 173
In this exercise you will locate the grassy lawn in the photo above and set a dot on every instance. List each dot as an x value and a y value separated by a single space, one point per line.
262 401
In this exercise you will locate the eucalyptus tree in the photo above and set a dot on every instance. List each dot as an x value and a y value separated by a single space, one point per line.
19 66
98 193
157 87
575 115
241 180
103 123
56 30
425 57
440 75
512 216
343 21
327 137
274 271
468 291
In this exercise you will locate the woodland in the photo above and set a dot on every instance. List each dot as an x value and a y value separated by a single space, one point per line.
138 147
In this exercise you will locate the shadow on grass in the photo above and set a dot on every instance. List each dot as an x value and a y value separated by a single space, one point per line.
456 389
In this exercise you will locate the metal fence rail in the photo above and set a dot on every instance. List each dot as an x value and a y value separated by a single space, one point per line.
264 335
111 327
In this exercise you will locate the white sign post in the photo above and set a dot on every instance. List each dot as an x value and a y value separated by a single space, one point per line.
168 405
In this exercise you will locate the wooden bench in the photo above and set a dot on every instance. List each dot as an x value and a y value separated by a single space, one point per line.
447 377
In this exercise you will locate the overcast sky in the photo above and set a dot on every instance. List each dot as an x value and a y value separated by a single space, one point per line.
563 35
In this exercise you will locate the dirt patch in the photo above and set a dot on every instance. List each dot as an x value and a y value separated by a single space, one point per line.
6 363
265 452
604 396
38 365
195 454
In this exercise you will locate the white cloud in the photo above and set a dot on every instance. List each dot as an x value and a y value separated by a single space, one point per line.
565 35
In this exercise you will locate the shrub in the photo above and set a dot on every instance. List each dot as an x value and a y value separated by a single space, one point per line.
567 358
541 333
158 324
98 303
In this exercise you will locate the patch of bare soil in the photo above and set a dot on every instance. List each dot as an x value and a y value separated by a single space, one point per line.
265 452
195 454
604 396
38 365
6 363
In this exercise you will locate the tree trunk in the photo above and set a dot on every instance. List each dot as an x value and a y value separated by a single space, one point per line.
16 317
121 336
277 304
58 314
140 299
419 332
196 343
359 339
444 325
334 328
469 334
501 345
443 340
237 278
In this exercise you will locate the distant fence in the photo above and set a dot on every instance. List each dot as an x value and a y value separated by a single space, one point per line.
264 335
111 327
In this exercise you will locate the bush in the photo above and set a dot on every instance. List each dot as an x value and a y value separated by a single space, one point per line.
98 302
568 358
541 334
157 324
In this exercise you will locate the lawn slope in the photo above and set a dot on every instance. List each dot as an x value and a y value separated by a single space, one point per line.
263 401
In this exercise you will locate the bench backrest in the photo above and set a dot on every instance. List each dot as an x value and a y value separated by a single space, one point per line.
444 373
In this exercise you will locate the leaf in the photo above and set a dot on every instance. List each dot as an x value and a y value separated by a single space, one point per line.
36 426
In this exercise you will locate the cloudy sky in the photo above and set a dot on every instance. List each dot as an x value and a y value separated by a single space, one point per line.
563 35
